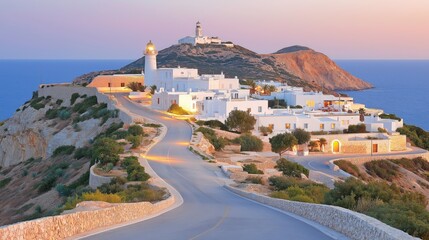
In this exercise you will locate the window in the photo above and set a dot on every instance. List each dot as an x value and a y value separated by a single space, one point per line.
305 125
109 85
122 84
158 101
259 109
322 126
345 122
332 125
287 125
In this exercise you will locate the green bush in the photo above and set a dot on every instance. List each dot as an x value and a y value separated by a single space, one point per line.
296 189
135 141
36 103
135 171
389 116
135 130
249 143
73 98
254 180
82 152
210 135
141 192
52 113
216 124
106 150
64 150
382 169
252 169
176 109
394 206
290 168
59 102
152 125
85 105
359 128
417 135
4 182
64 114
240 121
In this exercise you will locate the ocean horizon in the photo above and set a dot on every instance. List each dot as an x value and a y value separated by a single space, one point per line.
401 87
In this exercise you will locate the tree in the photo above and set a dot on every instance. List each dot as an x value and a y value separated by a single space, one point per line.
252 169
362 114
265 130
176 109
240 121
313 145
272 88
291 169
252 85
106 150
301 135
282 142
135 130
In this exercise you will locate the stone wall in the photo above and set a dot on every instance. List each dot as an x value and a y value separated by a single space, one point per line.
398 143
96 180
351 224
63 226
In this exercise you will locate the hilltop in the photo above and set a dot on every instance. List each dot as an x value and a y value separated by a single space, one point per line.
297 66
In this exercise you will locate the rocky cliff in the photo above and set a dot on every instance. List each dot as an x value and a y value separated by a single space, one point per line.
297 66
44 123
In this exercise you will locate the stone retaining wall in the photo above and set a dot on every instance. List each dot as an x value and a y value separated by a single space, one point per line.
96 180
351 224
63 226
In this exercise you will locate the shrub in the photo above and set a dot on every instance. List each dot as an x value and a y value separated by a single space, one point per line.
63 190
47 183
389 116
348 167
176 109
135 171
135 140
254 180
417 135
64 150
249 143
265 130
381 130
99 196
299 190
382 169
290 168
51 113
64 114
135 130
73 98
252 169
4 182
59 101
216 124
152 125
106 150
36 103
283 182
82 152
359 128
85 104
210 135
141 192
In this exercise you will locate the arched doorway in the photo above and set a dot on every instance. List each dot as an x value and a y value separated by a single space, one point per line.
336 146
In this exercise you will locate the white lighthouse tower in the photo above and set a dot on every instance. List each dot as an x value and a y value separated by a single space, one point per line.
198 30
150 68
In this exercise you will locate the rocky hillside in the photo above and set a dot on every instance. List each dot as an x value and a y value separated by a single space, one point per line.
317 68
43 124
297 66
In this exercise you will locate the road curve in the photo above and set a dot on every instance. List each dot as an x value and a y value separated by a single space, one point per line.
209 210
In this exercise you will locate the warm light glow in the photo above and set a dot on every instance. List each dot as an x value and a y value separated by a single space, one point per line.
163 159
182 143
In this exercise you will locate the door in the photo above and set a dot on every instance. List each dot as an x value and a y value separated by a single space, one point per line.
336 146
374 148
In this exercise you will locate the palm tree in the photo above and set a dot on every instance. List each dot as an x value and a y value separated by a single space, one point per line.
142 88
252 85
134 86
265 89
362 114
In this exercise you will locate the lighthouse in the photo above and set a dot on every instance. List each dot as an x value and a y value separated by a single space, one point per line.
150 64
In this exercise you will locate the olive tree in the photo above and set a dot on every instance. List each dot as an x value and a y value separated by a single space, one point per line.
283 142
240 121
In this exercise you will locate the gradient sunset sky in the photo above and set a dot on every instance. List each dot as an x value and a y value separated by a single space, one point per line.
113 29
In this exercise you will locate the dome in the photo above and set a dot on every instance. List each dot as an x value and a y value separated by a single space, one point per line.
150 48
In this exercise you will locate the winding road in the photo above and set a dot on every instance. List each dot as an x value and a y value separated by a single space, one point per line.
209 211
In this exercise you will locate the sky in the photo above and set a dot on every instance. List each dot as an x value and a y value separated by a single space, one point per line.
113 29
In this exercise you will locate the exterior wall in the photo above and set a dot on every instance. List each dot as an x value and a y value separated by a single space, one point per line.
95 180
117 82
398 143
187 100
352 224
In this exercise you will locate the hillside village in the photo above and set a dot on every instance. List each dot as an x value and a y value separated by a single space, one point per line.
263 135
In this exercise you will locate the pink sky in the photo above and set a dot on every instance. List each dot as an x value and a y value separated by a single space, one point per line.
112 29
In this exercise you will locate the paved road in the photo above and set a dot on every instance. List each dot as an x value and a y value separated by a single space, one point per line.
209 211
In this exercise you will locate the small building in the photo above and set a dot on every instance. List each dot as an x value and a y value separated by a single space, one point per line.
199 38
363 143
116 82
162 100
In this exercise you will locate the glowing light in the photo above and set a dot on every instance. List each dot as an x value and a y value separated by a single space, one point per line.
182 143
163 159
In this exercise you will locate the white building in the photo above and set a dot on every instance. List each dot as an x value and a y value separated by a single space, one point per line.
182 79
199 38
162 100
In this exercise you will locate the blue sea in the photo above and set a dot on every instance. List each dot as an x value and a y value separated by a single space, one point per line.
19 78
401 87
